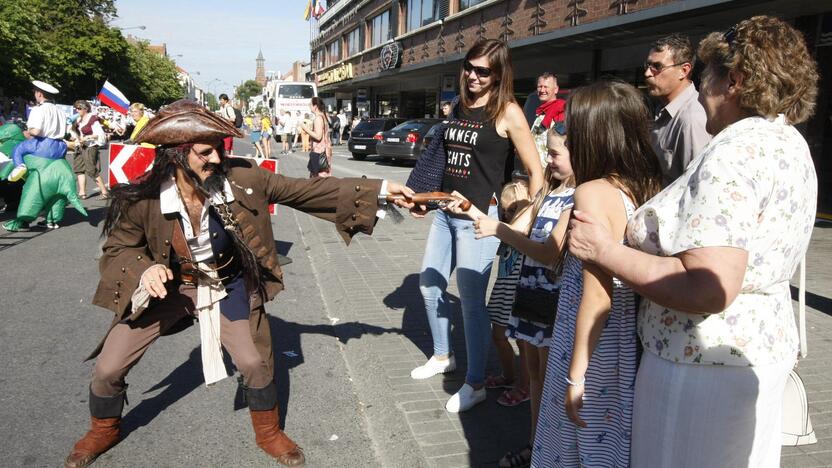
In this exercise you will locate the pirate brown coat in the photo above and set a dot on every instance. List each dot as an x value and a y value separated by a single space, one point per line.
142 237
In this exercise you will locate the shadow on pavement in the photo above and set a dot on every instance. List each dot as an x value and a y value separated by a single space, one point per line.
815 301
288 352
288 349
490 430
180 382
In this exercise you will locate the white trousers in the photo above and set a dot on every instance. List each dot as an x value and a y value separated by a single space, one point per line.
707 416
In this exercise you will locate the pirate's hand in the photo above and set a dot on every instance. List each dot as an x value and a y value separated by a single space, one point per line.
154 279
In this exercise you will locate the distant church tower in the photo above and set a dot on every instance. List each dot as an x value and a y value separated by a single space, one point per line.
260 76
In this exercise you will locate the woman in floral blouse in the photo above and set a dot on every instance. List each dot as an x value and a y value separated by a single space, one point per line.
713 254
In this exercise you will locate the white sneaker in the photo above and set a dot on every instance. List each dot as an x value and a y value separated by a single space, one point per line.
432 367
464 399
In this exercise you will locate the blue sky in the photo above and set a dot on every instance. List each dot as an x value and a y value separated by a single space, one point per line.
220 39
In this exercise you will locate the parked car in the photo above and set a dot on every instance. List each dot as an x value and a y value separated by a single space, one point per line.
362 138
407 140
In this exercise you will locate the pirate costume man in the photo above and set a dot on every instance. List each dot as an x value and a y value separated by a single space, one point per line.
193 239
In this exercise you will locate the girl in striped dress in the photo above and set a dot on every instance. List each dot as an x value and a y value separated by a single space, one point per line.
513 198
587 405
537 233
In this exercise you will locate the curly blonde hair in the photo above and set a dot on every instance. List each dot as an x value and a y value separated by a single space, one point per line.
780 76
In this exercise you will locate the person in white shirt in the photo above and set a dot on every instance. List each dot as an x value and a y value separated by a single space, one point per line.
292 130
45 119
227 112
342 119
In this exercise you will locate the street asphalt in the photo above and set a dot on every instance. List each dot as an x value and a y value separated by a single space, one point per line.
347 330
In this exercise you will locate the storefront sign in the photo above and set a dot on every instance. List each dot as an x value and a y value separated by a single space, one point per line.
344 72
391 56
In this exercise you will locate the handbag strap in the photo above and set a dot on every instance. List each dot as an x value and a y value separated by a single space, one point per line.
801 309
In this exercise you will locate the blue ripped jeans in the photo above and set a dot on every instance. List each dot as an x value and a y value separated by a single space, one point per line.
451 245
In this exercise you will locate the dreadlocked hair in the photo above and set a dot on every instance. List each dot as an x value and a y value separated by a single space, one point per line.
146 187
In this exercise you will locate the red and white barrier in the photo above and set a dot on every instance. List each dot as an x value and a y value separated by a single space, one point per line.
128 162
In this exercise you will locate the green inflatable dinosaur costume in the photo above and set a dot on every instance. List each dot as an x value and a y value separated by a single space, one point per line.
50 183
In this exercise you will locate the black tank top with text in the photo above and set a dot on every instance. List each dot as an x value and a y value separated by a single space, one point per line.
477 156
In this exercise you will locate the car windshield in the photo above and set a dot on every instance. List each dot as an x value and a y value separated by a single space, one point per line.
412 126
369 126
298 91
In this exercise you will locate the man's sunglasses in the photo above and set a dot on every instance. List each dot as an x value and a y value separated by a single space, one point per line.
658 67
482 72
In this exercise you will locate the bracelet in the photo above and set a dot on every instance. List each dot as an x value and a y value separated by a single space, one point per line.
573 383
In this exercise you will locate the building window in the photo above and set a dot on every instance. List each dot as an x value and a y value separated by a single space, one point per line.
334 52
463 4
379 29
420 13
320 58
353 46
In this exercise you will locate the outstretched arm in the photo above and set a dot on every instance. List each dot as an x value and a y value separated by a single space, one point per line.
704 280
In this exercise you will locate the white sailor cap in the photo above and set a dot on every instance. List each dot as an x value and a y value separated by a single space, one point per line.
45 87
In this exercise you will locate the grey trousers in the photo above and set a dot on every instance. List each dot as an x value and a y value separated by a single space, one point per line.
127 342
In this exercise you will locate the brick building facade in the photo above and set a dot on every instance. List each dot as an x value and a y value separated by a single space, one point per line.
402 57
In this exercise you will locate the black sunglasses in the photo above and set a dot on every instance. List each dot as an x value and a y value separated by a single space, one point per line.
482 72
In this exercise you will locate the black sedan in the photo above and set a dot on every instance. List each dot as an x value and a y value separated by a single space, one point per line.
406 141
362 138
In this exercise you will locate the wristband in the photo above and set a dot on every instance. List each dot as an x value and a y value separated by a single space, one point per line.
572 383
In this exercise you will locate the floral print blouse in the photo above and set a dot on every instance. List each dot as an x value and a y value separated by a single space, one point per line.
753 187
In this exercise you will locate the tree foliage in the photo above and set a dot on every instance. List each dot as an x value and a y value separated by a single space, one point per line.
69 43
212 102
248 89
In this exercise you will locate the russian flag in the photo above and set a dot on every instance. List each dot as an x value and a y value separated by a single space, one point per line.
111 96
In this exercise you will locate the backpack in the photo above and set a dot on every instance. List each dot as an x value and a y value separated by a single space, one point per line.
238 118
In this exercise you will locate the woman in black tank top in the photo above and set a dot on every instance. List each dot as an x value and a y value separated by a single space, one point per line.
486 129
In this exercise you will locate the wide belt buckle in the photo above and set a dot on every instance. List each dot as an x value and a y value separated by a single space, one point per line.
189 278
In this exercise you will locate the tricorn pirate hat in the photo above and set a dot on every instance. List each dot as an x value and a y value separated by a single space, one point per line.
184 122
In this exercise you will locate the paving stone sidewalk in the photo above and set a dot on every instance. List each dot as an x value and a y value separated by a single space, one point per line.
373 287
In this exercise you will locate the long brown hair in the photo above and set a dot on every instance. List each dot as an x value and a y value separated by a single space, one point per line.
502 89
608 138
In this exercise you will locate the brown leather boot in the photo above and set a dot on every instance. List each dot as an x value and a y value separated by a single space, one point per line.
273 440
102 435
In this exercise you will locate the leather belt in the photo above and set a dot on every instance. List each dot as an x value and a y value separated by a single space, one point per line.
187 270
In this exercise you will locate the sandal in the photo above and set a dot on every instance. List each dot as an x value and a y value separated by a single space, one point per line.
517 459
497 381
513 397
82 196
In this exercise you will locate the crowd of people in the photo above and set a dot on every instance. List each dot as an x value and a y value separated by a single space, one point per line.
644 256
644 264
52 134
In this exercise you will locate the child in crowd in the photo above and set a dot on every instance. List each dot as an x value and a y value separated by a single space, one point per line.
538 233
586 411
514 198
266 135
